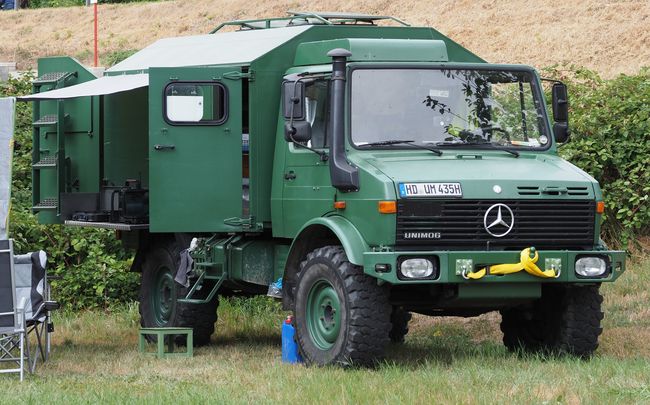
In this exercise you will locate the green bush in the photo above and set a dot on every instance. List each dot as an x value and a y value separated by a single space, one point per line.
113 58
610 139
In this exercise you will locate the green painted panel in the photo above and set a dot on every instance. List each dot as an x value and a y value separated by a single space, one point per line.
195 170
308 192
252 262
126 135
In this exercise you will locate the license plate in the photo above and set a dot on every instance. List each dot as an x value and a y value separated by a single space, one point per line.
430 190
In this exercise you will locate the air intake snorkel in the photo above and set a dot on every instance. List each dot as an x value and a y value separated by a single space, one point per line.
344 176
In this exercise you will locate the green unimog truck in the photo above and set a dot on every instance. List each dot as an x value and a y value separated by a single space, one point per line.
377 169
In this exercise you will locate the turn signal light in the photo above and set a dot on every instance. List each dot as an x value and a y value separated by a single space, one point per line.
339 205
600 207
387 207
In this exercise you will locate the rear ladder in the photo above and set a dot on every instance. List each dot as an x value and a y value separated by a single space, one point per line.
49 125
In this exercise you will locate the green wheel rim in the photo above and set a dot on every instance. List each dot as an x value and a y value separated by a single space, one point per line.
163 296
323 314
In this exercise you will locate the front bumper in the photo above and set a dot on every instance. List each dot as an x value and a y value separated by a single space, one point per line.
450 266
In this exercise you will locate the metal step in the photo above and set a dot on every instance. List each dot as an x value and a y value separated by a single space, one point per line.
52 78
107 225
46 161
46 204
46 120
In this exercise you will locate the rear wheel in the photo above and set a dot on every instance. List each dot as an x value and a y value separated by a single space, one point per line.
342 315
566 320
399 320
159 295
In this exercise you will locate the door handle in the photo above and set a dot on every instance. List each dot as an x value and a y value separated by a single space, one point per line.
290 176
164 147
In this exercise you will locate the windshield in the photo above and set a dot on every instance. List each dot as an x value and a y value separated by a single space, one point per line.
446 107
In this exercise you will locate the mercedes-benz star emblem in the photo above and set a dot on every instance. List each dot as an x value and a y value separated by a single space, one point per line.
498 220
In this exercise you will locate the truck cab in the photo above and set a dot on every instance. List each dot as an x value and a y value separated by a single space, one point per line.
375 170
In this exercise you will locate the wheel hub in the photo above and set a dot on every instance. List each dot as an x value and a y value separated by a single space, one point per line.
163 296
323 314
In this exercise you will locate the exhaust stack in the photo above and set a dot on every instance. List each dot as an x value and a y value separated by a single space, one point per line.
344 176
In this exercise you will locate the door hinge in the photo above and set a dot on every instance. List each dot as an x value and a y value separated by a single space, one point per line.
235 75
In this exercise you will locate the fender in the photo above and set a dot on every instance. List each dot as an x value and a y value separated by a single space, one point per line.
316 233
344 230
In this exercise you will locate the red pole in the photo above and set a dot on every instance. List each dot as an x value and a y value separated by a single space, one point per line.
95 9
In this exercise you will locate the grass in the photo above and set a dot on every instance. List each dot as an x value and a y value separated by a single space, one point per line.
452 360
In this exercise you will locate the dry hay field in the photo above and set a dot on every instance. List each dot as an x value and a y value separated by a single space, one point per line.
609 36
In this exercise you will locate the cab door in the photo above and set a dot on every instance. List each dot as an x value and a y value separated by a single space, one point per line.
307 189
195 149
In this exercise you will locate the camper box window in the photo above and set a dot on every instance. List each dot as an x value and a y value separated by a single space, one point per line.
195 104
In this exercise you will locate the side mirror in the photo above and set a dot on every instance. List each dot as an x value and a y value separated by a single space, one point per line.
561 132
297 131
560 100
293 96
296 128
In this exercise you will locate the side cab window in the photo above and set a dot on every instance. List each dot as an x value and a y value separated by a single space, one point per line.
317 112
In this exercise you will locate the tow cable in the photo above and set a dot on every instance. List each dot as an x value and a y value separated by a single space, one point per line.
527 259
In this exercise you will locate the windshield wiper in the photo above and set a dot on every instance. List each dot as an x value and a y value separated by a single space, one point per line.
401 141
489 145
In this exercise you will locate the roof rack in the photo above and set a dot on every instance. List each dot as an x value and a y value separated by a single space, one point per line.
296 18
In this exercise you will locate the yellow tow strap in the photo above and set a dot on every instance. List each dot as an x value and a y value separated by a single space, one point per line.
526 262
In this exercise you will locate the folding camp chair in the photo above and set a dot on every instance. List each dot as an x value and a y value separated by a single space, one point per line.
24 309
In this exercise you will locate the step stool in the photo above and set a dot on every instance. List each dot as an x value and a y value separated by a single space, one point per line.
160 337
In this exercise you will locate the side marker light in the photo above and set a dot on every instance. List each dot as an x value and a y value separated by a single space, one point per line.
387 207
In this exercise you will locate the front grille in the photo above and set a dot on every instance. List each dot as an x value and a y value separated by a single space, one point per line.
528 190
458 224
577 191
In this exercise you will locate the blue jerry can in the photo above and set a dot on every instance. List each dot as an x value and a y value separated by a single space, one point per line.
290 352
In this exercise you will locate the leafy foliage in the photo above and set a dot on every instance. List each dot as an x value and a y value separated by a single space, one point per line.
92 266
610 125
113 58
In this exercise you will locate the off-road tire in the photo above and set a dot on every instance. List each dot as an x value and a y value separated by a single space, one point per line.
364 311
165 257
399 320
566 320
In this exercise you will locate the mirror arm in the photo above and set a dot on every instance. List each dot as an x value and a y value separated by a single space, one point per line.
546 79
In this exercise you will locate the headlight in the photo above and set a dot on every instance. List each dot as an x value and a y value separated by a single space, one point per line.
416 268
591 266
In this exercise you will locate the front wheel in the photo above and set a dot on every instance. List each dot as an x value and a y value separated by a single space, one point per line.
342 316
